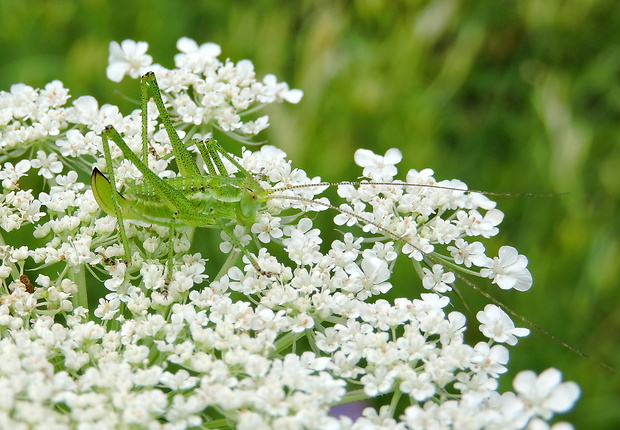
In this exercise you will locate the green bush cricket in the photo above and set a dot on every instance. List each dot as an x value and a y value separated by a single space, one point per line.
192 199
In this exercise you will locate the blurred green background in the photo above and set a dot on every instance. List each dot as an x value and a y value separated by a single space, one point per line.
508 96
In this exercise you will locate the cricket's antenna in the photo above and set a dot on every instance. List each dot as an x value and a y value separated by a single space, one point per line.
409 184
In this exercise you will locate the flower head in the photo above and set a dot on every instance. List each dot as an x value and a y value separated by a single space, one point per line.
270 340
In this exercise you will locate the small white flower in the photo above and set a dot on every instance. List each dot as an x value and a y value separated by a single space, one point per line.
74 145
375 276
491 359
417 384
19 254
497 325
5 271
377 167
379 381
194 58
85 110
267 227
475 224
274 91
437 279
545 393
10 174
509 270
48 164
107 309
128 58
54 95
255 127
303 242
240 234
468 253
181 380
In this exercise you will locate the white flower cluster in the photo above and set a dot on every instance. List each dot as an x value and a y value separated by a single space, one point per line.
203 89
244 350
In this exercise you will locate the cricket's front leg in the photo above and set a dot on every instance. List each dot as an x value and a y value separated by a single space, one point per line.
108 198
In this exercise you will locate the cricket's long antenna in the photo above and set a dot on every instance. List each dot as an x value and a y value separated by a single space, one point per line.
433 259
408 184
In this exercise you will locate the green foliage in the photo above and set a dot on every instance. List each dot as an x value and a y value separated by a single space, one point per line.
508 96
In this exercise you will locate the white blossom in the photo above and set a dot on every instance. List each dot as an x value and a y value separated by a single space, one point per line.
509 270
127 58
545 394
497 325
